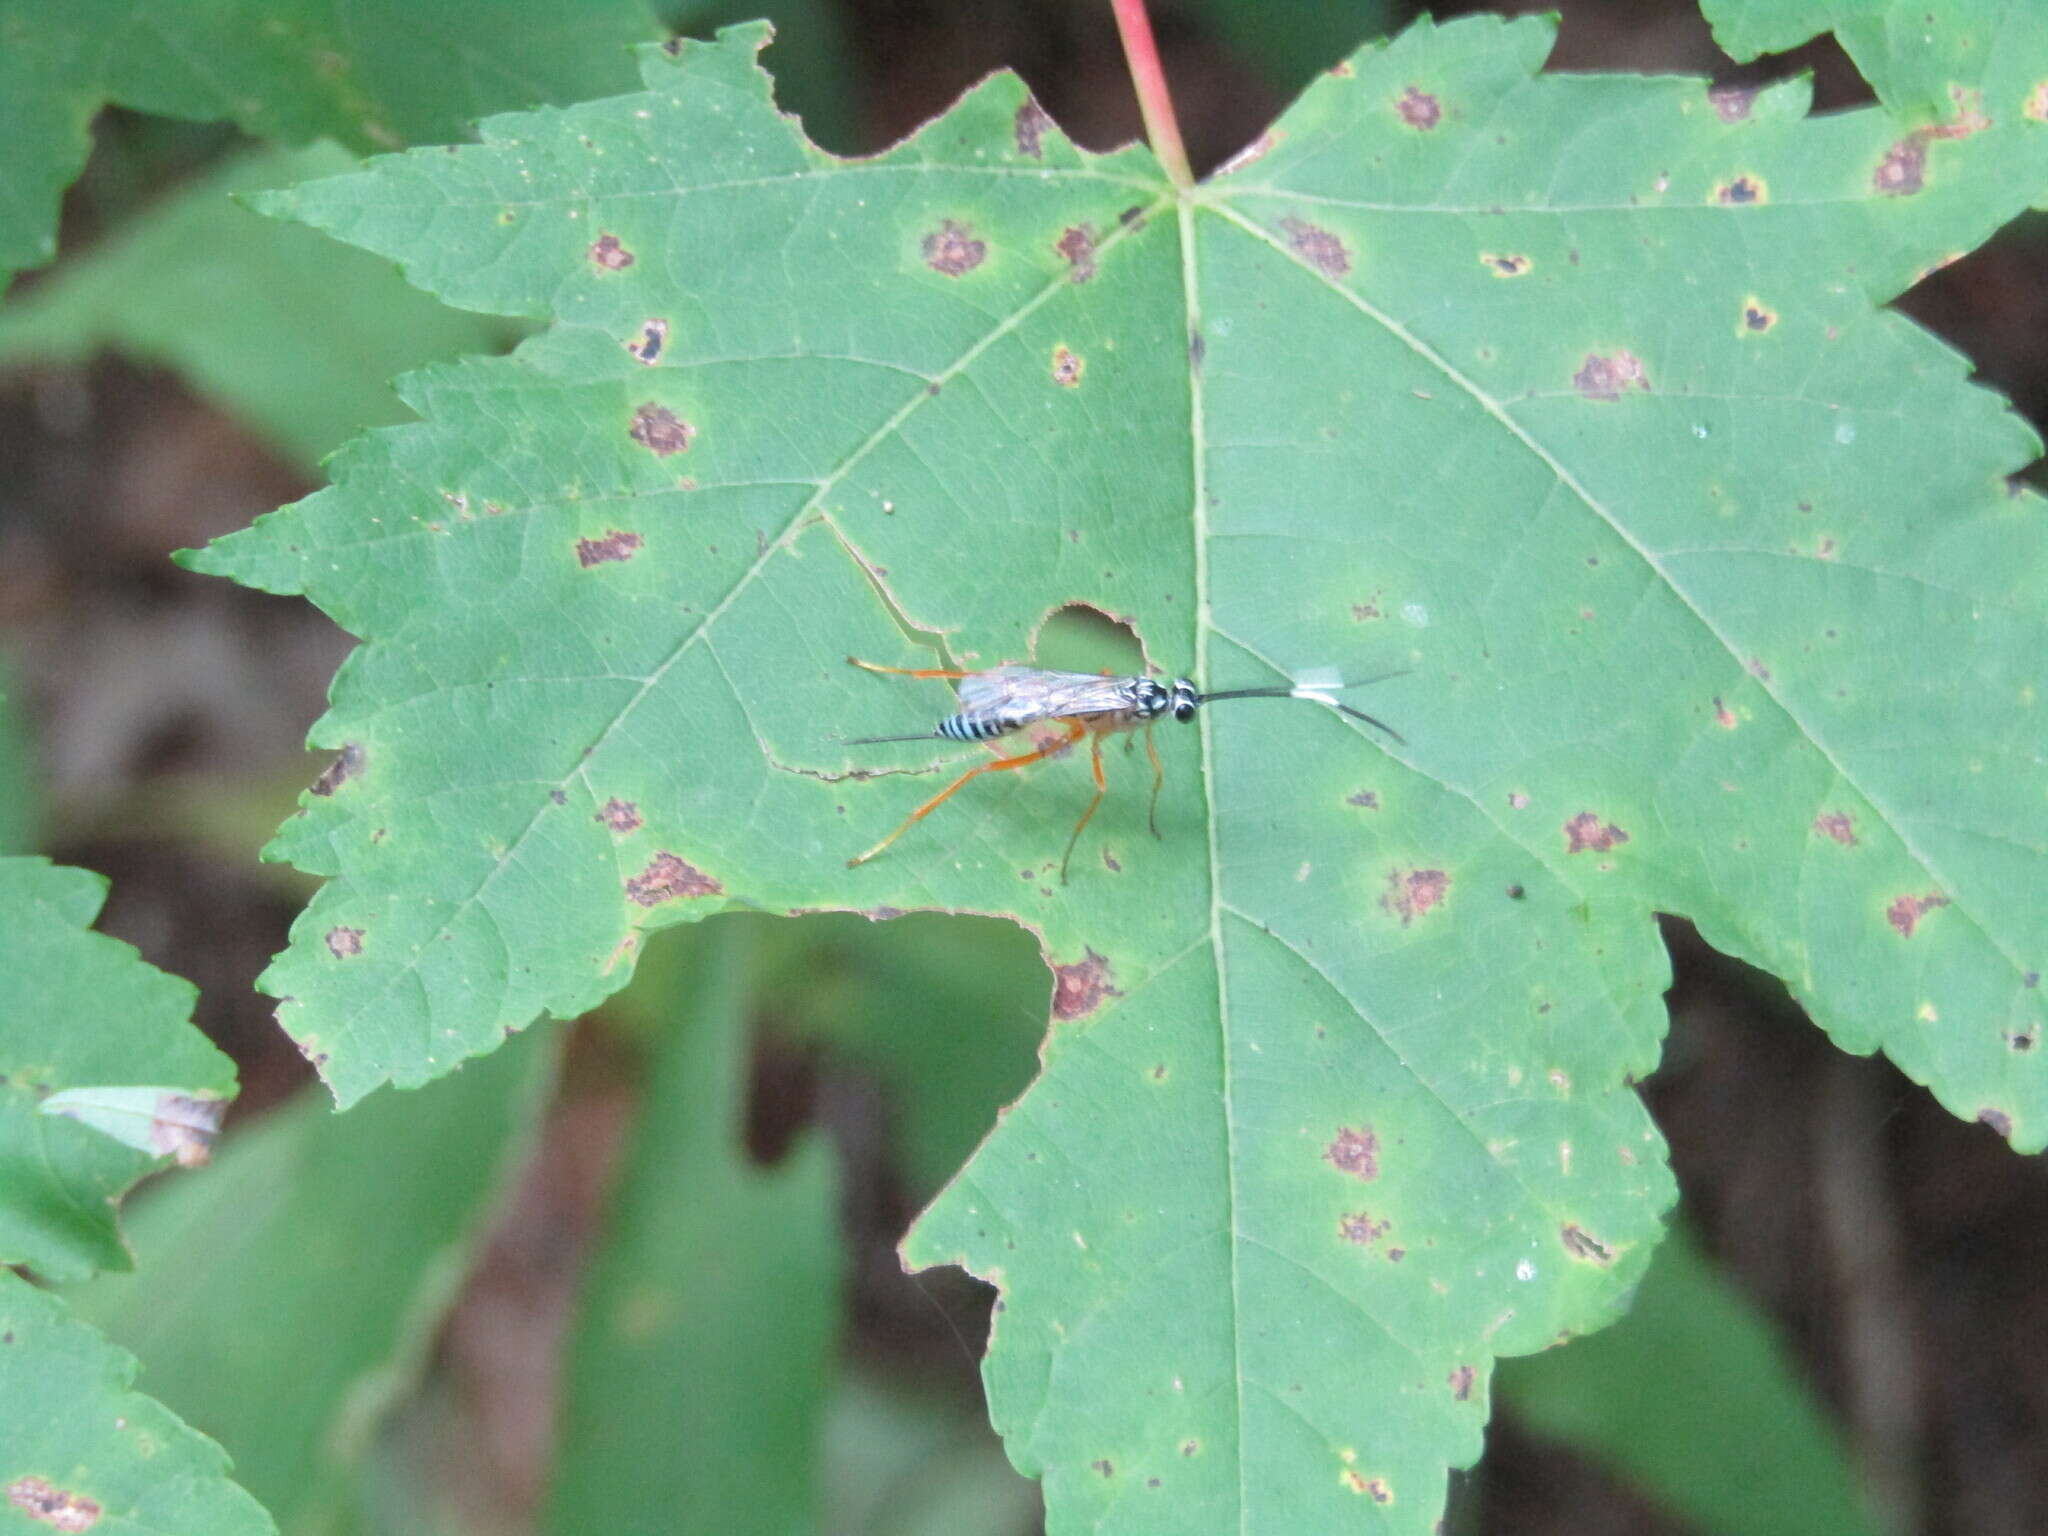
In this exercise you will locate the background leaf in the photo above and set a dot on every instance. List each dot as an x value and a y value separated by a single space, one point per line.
945 1011
79 1010
78 1448
901 1465
709 1313
20 807
1690 1396
1316 35
290 333
372 75
283 1302
1572 395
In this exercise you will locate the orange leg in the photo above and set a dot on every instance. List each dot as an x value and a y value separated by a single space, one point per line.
997 766
1101 788
869 666
1158 778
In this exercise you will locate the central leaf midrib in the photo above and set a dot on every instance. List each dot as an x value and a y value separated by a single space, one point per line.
1205 625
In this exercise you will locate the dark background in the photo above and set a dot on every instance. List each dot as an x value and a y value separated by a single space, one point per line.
1899 1251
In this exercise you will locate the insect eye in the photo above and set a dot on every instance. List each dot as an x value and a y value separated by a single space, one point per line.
1183 712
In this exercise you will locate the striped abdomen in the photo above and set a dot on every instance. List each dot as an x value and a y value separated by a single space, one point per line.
967 727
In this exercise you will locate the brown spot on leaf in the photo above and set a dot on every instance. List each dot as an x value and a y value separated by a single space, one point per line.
1724 717
653 337
2021 1040
1076 246
1105 1466
55 1507
1418 109
1377 1489
1969 118
1317 246
1587 833
1905 913
1604 378
621 816
616 545
2037 103
1504 266
1079 989
345 766
1031 122
1413 893
609 254
344 943
1067 367
1903 171
668 878
1364 613
1581 1244
1742 191
1757 317
658 428
1731 103
1356 1152
1358 1227
1365 800
1462 1380
1837 826
1354 1479
1997 1119
952 251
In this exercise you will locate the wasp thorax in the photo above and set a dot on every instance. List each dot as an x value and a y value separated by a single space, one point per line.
1149 698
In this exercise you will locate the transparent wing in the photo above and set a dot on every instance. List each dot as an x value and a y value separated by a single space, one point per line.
1030 693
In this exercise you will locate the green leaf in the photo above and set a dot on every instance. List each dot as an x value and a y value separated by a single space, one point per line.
373 74
709 1314
287 331
77 1448
284 1300
1573 396
1691 1397
81 1013
1957 69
